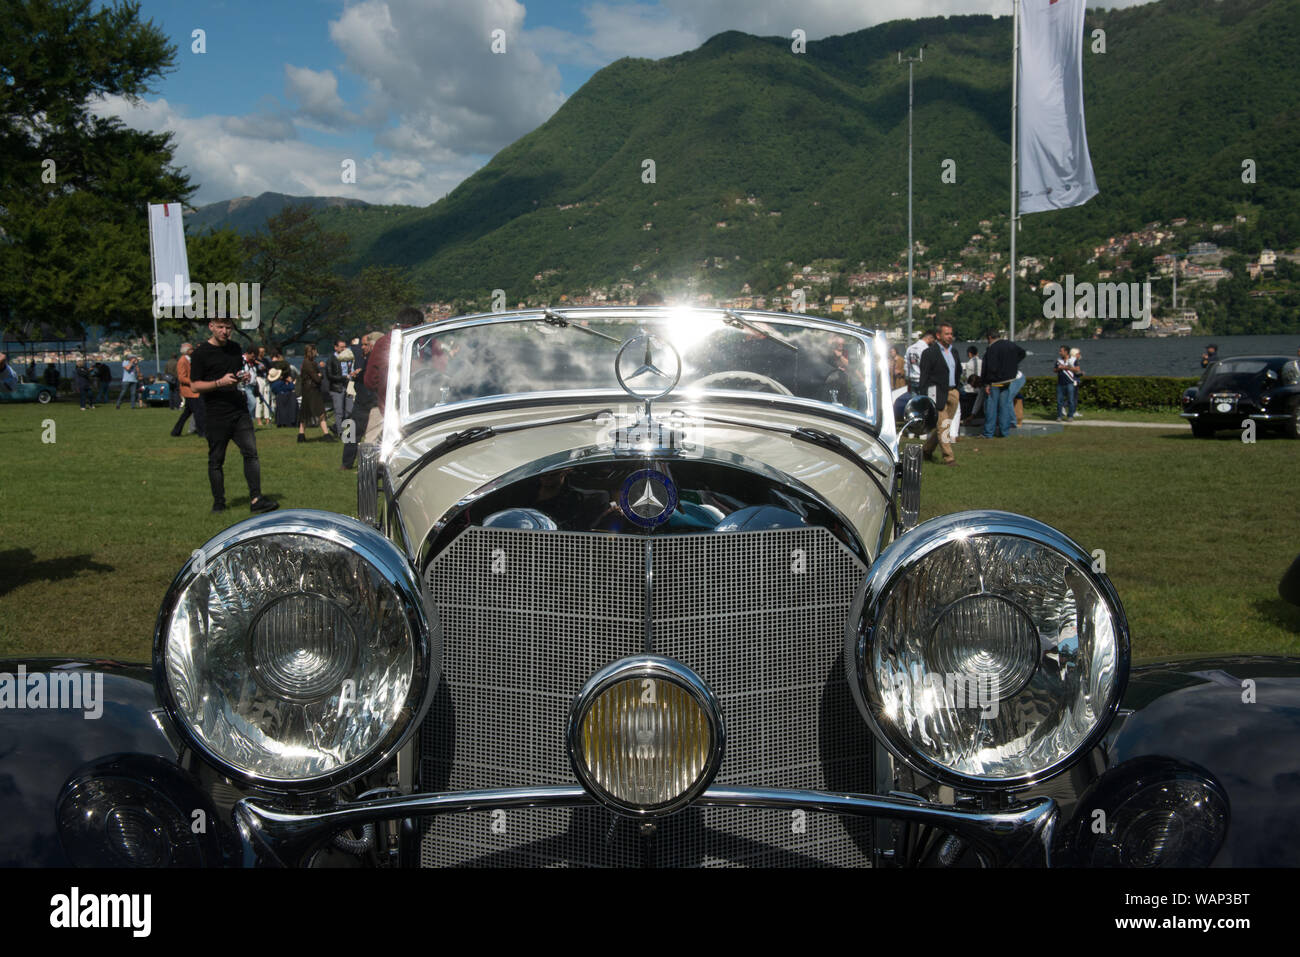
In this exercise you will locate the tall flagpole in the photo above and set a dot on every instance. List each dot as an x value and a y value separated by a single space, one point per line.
1015 191
909 61
153 272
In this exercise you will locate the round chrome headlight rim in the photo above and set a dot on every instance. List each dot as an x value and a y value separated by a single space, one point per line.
904 555
388 562
657 668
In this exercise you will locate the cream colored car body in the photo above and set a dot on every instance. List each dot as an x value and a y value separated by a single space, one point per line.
748 438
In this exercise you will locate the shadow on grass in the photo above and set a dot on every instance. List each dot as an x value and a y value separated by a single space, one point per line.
18 566
1277 612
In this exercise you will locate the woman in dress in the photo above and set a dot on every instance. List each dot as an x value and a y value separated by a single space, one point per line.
313 403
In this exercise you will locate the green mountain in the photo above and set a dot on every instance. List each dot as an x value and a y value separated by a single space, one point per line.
1184 92
247 214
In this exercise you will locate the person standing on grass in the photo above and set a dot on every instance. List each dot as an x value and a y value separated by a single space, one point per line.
1065 383
1075 357
130 379
263 406
362 402
313 403
217 373
338 371
939 380
104 375
249 387
85 385
51 375
912 360
193 401
8 378
1001 361
972 391
173 383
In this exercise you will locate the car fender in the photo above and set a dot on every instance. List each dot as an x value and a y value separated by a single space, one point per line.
1239 719
41 748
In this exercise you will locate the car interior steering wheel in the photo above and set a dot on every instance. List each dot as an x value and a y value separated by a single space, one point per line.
715 379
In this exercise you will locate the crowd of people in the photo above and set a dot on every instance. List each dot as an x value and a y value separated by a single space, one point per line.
227 392
983 391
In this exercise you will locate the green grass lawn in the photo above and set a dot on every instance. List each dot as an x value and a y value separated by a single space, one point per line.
1042 413
94 525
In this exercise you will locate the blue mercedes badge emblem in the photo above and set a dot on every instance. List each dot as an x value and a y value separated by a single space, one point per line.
648 498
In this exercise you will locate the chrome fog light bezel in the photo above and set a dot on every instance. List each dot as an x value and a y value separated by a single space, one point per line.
417 612
899 560
656 668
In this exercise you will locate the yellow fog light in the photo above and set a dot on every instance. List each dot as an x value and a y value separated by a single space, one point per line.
645 735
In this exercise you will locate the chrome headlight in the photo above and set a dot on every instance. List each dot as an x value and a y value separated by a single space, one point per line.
294 650
645 735
985 650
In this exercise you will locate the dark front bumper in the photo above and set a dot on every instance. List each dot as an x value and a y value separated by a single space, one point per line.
1016 836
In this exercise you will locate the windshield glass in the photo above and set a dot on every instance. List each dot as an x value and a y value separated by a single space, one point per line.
740 353
1236 373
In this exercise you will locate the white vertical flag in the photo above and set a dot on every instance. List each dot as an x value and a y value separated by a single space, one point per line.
171 266
1055 169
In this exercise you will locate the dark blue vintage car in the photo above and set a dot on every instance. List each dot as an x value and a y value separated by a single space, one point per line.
1241 389
646 587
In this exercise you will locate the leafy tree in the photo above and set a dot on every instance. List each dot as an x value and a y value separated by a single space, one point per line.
371 299
74 241
296 262
305 296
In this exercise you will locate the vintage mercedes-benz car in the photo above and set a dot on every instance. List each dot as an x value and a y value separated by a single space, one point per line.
1260 389
641 587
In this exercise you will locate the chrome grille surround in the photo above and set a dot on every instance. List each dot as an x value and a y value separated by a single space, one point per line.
529 616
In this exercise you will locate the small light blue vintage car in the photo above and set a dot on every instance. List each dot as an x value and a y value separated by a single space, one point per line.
29 392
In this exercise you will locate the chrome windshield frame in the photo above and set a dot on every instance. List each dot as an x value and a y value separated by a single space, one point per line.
877 418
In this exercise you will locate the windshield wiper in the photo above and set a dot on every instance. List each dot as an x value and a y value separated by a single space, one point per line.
476 434
556 319
738 322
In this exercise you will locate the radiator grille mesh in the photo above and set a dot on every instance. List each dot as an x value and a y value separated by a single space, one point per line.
529 616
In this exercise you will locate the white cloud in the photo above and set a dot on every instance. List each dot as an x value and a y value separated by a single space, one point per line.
640 30
429 64
317 95
229 156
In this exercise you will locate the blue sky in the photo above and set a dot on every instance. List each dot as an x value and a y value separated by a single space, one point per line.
410 91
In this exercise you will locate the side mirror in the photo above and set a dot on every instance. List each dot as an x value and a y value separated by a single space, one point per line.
919 415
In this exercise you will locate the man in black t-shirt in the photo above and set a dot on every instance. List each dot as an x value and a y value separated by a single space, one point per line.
217 373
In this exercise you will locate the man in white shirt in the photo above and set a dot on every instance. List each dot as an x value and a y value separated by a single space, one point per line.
912 360
940 380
